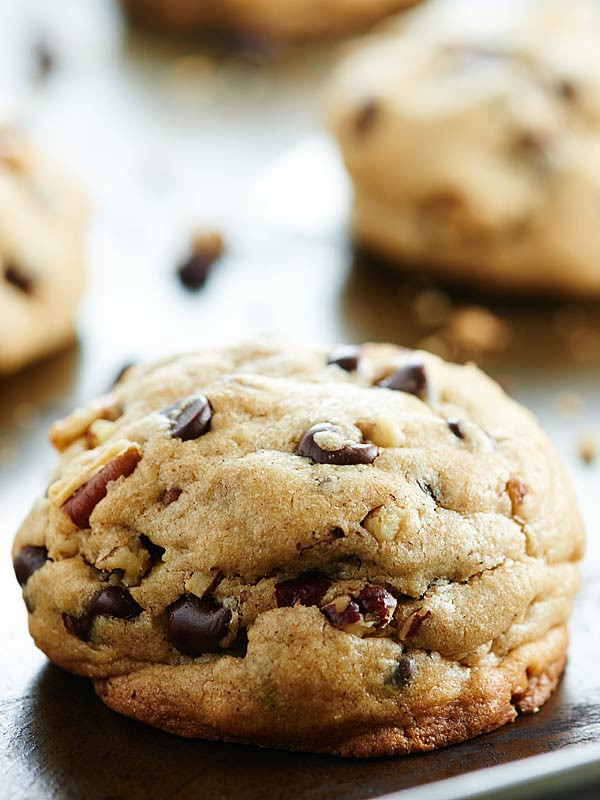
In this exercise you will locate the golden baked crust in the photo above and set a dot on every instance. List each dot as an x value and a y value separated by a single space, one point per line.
233 531
491 698
292 19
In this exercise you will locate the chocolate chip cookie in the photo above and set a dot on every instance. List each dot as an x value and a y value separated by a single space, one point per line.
292 19
471 135
41 261
361 551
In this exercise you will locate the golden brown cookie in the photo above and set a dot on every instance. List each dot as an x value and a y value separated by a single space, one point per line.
41 259
231 532
471 135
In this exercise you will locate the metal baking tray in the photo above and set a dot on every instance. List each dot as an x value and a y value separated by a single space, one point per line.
167 137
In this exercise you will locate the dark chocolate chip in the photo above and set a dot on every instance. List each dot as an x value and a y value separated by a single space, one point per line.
347 358
155 550
410 378
170 496
194 271
338 533
366 115
376 603
347 616
27 561
114 601
197 625
78 626
190 417
18 279
348 454
308 590
405 671
85 499
457 427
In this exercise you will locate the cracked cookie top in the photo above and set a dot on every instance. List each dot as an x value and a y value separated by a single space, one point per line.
401 496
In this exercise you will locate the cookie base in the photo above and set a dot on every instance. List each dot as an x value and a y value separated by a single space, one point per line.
520 684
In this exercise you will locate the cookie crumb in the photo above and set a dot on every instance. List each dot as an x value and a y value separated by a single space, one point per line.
44 57
588 447
207 247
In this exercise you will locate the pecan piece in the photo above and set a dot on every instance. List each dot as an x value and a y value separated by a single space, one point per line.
84 500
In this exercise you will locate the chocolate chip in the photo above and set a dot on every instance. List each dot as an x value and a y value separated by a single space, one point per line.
347 358
338 533
78 626
155 550
404 672
348 454
190 417
308 590
27 561
366 115
114 601
418 618
85 499
377 604
348 615
410 378
457 427
193 272
197 625
170 496
18 279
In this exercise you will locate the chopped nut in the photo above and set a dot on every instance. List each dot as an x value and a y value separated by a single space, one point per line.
65 431
99 432
517 490
385 522
60 491
199 583
382 432
132 559
413 623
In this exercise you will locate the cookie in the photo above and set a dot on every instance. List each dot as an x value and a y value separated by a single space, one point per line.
231 532
294 19
41 260
472 141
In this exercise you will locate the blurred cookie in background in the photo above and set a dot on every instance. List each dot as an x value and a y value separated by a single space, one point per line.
291 19
473 142
41 254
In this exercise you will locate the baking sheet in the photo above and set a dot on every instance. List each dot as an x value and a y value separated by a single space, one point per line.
166 137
